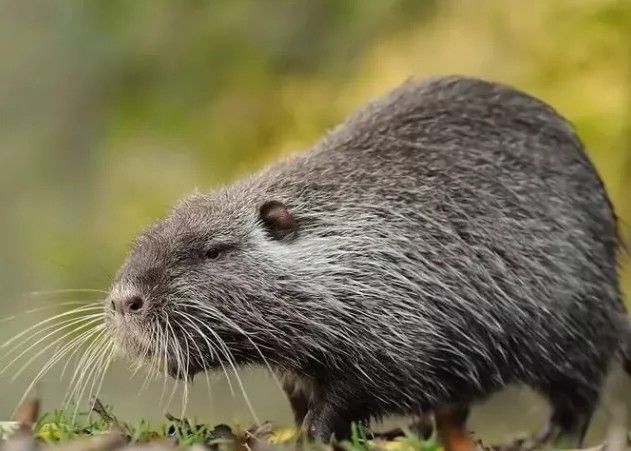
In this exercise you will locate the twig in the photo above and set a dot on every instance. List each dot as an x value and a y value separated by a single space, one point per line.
109 419
27 416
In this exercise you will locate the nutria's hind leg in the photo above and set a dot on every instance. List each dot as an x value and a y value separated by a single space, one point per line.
573 405
451 427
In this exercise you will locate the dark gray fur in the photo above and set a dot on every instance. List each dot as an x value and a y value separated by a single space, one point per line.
451 238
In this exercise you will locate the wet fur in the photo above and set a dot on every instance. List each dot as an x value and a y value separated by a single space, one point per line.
451 238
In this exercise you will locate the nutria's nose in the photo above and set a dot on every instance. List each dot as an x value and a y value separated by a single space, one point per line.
130 304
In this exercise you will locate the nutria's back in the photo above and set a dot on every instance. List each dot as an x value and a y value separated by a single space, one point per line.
448 239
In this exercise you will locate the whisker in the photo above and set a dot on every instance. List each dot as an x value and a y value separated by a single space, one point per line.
83 367
185 383
75 343
55 329
87 356
93 364
106 366
153 362
239 382
201 356
158 355
46 321
44 307
64 291
165 350
98 329
80 366
221 317
178 357
43 350
213 354
210 314
100 368
222 346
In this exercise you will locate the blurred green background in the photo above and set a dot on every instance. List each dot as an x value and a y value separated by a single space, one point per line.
111 110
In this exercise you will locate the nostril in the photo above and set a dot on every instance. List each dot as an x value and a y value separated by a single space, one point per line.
133 304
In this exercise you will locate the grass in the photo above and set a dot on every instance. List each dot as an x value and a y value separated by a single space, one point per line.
104 432
59 427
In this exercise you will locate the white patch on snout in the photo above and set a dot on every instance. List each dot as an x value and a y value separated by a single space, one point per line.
127 337
123 290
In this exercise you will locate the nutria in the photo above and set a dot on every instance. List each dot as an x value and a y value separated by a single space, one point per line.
447 240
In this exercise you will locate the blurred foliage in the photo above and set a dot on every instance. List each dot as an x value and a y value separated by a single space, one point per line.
111 110
141 101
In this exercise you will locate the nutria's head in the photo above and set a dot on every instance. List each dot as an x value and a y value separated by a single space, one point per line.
198 287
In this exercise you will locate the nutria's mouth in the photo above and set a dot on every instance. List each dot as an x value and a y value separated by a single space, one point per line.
180 361
168 367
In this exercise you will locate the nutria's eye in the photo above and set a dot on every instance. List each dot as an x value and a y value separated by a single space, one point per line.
212 254
215 252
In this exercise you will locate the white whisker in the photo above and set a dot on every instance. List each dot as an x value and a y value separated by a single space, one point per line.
73 344
94 363
56 305
175 348
64 291
200 353
213 315
213 354
46 321
164 346
85 337
152 370
239 381
105 367
57 340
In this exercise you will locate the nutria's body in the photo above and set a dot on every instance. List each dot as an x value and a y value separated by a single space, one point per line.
447 240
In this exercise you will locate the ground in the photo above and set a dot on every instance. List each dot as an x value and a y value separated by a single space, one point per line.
100 430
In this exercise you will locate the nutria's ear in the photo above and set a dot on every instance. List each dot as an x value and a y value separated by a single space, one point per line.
277 219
